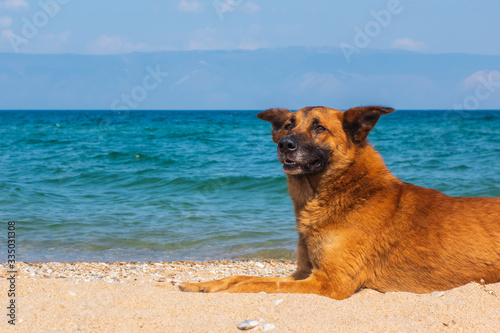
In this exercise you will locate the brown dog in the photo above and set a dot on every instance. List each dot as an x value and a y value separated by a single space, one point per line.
361 227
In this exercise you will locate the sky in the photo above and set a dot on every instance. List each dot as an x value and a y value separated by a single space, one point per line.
97 27
426 54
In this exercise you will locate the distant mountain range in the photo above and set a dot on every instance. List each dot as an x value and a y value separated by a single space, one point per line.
288 77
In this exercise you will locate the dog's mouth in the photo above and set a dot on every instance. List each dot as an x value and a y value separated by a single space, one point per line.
291 166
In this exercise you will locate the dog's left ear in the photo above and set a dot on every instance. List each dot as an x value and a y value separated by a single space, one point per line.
358 122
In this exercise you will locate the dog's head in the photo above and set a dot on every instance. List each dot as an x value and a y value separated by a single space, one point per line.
314 139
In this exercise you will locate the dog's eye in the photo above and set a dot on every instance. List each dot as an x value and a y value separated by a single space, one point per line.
289 127
319 129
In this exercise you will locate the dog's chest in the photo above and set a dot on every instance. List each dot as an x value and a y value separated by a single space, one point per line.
315 216
322 244
313 228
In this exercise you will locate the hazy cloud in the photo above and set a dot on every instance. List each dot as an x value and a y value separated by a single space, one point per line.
113 45
209 43
61 37
320 83
50 42
5 22
211 39
252 7
7 33
14 4
408 44
208 39
480 77
189 6
225 6
44 42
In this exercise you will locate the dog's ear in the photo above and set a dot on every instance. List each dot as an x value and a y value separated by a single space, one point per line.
277 118
358 122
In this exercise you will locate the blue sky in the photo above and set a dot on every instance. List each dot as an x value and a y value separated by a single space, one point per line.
402 53
114 27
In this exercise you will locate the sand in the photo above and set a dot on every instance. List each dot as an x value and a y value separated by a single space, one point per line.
138 297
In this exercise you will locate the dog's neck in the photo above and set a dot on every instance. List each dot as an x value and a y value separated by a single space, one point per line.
368 170
302 189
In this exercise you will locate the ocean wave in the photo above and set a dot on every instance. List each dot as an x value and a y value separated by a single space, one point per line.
240 183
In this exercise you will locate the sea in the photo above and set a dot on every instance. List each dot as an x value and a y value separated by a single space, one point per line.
197 185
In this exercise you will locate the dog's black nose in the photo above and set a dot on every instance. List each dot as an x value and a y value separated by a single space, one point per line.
287 144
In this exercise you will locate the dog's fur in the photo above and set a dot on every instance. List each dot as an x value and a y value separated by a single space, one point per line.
361 227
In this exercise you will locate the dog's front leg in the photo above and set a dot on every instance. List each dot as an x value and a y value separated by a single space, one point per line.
222 284
303 270
317 283
304 265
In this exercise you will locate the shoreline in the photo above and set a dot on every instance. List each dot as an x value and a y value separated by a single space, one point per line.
137 296
118 271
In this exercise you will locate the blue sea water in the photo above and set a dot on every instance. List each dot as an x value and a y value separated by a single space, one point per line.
165 185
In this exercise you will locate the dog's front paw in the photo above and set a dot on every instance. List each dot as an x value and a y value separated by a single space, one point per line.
193 287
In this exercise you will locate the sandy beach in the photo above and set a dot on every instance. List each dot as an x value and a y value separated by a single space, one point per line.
133 297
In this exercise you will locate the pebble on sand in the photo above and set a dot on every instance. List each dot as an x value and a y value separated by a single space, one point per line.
437 293
278 301
268 327
248 324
